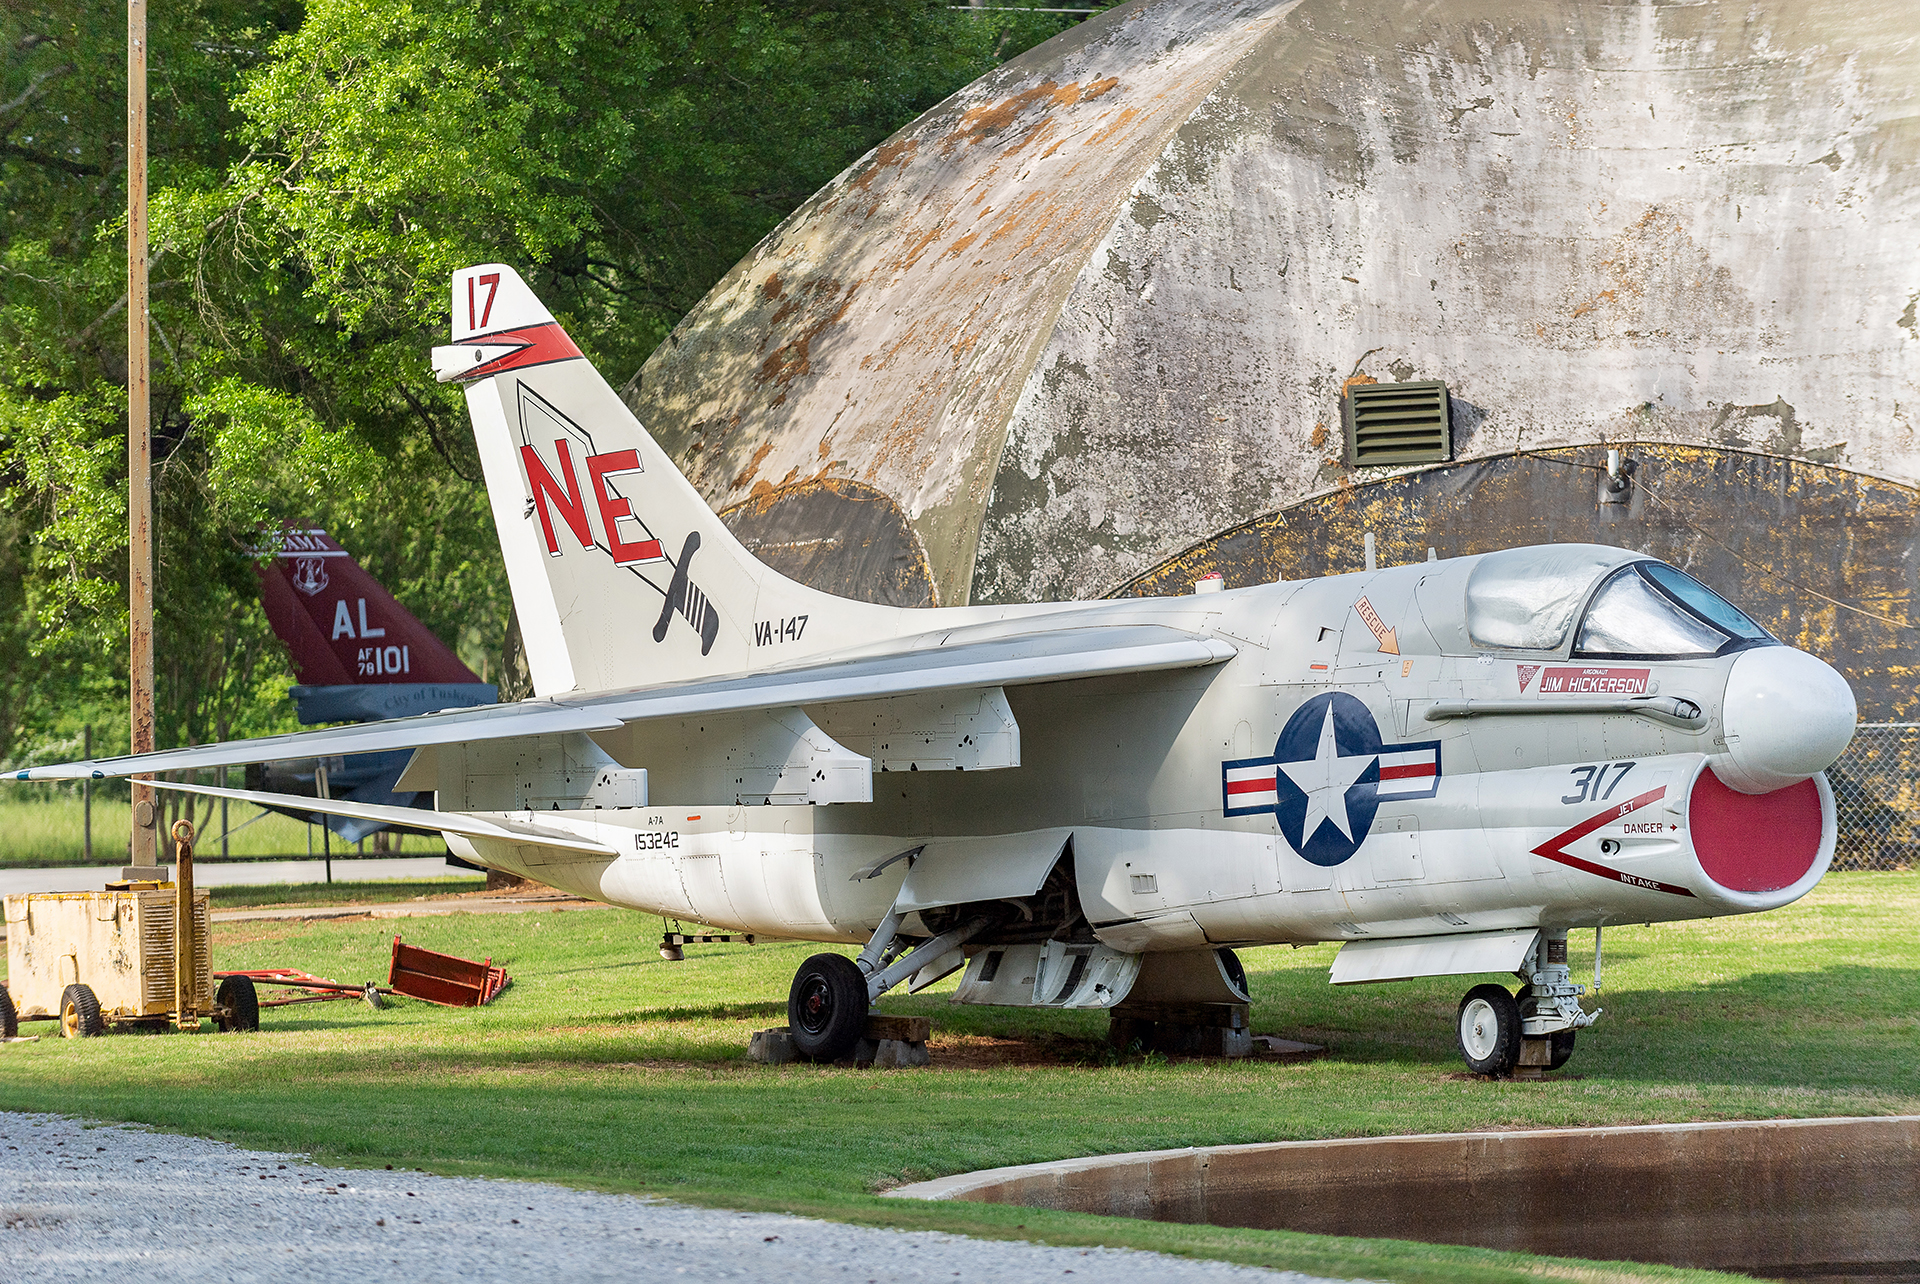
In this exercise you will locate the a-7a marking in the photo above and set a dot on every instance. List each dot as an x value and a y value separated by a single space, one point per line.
1587 782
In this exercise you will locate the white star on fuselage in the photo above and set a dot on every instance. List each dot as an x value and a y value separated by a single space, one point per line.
1325 779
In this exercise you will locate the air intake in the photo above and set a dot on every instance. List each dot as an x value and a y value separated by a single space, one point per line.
1398 423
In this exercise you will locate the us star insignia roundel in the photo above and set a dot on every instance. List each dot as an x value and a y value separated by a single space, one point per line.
1327 777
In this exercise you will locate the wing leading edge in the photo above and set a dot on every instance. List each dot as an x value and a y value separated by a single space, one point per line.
921 665
411 817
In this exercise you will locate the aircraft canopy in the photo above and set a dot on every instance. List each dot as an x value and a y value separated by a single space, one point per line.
1525 599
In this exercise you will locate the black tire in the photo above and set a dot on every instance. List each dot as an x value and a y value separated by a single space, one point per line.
239 1002
80 1013
1487 1026
9 1015
827 1007
1561 1041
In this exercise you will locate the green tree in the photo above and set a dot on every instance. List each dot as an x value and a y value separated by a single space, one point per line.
317 174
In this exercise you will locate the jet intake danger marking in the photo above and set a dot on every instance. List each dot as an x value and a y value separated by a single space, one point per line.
1555 848
1327 777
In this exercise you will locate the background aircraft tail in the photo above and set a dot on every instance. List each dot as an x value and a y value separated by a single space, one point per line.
360 657
358 653
622 575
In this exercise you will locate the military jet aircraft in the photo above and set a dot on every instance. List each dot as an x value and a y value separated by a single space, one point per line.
1445 766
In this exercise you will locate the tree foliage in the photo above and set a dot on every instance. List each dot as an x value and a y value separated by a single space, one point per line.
317 172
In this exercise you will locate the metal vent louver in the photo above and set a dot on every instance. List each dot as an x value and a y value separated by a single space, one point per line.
1397 423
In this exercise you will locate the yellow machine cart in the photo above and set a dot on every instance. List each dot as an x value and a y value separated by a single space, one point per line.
120 957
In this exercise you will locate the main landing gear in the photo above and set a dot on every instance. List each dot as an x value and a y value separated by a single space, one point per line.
1533 1030
831 995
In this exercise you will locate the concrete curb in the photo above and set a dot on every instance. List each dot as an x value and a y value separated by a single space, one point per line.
1809 1196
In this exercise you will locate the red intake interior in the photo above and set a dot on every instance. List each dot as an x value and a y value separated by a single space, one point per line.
1754 842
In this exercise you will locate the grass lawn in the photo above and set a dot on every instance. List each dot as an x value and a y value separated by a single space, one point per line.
605 1067
50 831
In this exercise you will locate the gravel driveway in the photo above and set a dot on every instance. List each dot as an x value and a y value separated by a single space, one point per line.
118 1203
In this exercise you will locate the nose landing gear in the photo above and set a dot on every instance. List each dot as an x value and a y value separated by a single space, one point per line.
1489 1026
1532 1030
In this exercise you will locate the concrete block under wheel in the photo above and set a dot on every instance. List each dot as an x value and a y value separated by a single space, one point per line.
771 1047
774 1047
897 1054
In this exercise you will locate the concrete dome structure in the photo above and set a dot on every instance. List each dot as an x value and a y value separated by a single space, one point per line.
1086 327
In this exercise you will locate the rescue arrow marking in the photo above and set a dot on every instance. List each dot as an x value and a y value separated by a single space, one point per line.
1389 642
1554 848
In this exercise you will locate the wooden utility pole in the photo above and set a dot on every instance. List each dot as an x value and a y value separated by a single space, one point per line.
142 849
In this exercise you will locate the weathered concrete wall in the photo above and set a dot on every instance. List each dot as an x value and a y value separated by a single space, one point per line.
1798 1197
885 330
1595 221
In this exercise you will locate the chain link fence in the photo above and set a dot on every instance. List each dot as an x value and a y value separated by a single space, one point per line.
1876 793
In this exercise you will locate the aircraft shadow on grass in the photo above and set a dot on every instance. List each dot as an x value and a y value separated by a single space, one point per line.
1822 1028
1769 1040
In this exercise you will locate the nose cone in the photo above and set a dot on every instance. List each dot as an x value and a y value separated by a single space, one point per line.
1787 715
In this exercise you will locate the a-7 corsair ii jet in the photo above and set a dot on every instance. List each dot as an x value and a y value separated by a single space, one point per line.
1444 766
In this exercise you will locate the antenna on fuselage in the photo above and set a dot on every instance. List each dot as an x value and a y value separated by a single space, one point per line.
1372 564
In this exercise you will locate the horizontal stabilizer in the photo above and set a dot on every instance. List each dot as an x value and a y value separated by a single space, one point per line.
911 665
408 817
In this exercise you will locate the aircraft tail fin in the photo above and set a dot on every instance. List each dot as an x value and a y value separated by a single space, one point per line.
622 575
357 652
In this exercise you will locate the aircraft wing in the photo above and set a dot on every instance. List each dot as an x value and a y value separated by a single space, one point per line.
920 664
410 817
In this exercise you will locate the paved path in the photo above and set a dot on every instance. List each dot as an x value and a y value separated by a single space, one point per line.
507 903
113 1203
533 903
91 878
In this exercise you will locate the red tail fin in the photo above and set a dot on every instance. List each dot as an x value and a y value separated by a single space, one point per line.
341 627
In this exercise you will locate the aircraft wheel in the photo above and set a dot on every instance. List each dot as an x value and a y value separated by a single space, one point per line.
827 1007
80 1013
9 1015
1560 1042
240 1001
1489 1029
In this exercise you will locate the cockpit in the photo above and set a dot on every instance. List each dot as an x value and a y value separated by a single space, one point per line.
1616 605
